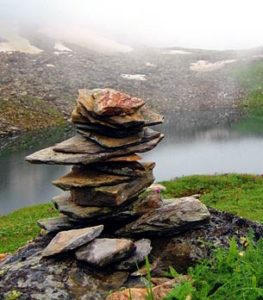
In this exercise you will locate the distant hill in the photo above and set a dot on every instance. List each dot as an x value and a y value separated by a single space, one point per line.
39 71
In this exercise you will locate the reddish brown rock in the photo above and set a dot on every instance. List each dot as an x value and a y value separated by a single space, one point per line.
127 158
159 292
109 102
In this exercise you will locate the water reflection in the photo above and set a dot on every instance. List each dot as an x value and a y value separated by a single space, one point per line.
195 143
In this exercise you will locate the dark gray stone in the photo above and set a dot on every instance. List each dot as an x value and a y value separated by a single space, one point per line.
55 224
143 249
102 252
176 215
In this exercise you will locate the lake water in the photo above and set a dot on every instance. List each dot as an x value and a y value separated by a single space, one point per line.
205 142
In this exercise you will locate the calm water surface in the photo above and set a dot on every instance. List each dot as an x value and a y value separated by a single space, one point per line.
195 143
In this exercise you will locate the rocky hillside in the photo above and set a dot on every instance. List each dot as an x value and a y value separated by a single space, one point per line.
39 90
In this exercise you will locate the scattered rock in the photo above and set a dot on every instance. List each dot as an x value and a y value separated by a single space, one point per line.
69 240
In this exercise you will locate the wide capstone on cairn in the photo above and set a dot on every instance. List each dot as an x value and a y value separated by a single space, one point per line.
107 184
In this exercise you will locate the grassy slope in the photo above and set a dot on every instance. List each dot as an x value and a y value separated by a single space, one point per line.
240 194
20 226
30 113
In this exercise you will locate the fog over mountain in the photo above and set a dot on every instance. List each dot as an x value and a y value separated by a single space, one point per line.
218 24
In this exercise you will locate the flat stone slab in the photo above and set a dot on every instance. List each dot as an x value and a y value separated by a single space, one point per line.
143 136
69 240
110 196
108 131
127 158
69 208
81 115
144 117
81 177
77 151
55 224
131 169
176 215
102 252
143 249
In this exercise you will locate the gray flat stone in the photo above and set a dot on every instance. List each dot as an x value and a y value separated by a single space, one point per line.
102 252
75 153
176 215
55 224
143 249
69 240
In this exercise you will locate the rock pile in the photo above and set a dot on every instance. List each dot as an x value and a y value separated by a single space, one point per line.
105 204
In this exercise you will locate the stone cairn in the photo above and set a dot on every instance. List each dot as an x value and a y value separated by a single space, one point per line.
105 207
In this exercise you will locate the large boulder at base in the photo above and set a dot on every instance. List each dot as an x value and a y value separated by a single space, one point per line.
102 252
35 278
176 215
69 240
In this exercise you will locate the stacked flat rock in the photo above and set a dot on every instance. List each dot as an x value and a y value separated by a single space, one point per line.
104 191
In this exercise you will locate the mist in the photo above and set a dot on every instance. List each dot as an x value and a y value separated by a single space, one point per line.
218 24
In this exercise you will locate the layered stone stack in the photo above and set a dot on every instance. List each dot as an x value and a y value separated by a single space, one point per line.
105 190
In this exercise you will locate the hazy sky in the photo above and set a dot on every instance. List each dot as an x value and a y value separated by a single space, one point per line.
214 24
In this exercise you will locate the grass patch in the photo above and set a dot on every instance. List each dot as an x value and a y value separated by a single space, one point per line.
230 274
238 194
30 113
250 77
20 226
